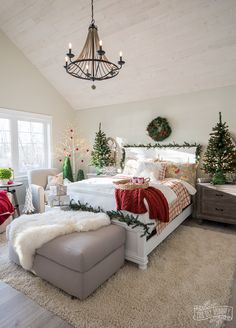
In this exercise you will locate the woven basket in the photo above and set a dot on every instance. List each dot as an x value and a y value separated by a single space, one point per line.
128 185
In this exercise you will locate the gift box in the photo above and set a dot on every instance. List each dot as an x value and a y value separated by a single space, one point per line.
58 190
55 200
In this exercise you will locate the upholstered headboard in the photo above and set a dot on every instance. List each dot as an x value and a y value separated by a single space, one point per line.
179 153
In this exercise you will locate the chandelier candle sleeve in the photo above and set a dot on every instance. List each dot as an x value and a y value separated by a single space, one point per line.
92 64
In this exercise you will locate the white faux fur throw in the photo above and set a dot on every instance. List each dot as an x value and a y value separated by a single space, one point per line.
29 232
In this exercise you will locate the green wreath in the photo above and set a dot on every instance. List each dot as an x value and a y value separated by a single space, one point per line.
159 129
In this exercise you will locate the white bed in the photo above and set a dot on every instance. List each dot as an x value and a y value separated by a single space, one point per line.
99 192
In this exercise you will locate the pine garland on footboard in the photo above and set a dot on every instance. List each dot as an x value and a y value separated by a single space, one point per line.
129 219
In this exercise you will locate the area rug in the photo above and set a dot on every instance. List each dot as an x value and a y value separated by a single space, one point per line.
192 267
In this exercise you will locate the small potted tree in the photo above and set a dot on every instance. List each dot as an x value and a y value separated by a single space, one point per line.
220 155
5 175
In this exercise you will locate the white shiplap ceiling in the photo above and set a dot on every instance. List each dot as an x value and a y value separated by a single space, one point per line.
170 46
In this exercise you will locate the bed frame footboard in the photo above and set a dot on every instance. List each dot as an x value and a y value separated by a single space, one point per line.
138 248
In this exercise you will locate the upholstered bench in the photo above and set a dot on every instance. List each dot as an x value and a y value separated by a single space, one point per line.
80 262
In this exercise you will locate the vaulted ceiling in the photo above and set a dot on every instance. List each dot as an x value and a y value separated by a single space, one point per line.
170 46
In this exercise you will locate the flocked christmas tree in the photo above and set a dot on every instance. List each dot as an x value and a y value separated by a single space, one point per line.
220 154
28 207
101 154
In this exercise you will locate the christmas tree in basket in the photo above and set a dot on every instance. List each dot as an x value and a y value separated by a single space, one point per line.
101 154
220 154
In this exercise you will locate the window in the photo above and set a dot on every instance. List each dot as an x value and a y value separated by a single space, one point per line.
24 141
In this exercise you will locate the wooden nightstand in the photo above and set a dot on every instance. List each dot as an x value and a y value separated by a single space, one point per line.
216 203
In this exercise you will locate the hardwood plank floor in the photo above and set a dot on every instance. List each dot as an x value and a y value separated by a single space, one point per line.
19 311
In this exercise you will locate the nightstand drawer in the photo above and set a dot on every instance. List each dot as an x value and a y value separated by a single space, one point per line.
218 209
218 197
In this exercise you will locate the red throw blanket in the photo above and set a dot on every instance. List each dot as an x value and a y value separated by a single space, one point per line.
6 207
133 201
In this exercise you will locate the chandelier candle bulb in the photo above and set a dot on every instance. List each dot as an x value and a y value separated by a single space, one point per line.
87 67
66 61
121 54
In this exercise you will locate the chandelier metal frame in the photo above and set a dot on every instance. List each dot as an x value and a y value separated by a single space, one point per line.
92 64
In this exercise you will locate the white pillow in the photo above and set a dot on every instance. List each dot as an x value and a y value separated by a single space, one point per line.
152 170
54 180
131 167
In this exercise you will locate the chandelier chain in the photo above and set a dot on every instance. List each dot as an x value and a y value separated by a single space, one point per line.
92 11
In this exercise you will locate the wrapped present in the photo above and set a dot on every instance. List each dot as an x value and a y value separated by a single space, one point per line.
58 190
54 200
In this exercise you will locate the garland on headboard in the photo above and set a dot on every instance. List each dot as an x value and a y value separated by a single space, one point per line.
129 219
169 145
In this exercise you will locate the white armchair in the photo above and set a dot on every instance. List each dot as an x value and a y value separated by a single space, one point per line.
38 180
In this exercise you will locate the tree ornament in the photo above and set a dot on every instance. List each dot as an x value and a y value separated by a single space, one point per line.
101 154
28 207
159 129
220 154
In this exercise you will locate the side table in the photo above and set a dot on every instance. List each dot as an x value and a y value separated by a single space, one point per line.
12 189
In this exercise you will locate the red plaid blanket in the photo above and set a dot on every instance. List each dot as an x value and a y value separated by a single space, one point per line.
182 201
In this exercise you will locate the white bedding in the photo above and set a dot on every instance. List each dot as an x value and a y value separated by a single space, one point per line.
99 192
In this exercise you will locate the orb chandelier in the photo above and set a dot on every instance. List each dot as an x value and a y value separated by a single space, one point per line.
92 64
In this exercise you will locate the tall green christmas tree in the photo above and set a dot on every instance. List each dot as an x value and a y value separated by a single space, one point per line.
101 154
220 154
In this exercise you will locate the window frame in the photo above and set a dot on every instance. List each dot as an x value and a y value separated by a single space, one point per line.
14 116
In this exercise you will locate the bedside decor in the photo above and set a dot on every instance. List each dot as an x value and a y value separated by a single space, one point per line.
92 64
220 154
101 154
159 129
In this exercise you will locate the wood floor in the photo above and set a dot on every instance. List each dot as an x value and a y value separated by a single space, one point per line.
19 311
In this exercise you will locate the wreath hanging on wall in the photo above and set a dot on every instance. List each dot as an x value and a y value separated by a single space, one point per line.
159 129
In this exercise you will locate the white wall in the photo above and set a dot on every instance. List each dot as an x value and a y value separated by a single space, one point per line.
191 116
22 87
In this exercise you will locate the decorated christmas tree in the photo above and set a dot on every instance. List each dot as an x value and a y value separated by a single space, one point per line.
101 154
220 154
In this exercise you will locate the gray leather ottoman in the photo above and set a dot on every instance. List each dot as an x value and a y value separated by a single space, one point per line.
80 262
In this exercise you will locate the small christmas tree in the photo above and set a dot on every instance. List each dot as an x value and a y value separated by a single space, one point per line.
101 154
28 207
67 170
220 154
80 175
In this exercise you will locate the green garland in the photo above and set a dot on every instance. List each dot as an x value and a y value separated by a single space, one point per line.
170 145
159 129
129 219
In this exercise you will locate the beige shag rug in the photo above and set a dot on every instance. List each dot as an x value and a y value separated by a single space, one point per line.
193 266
